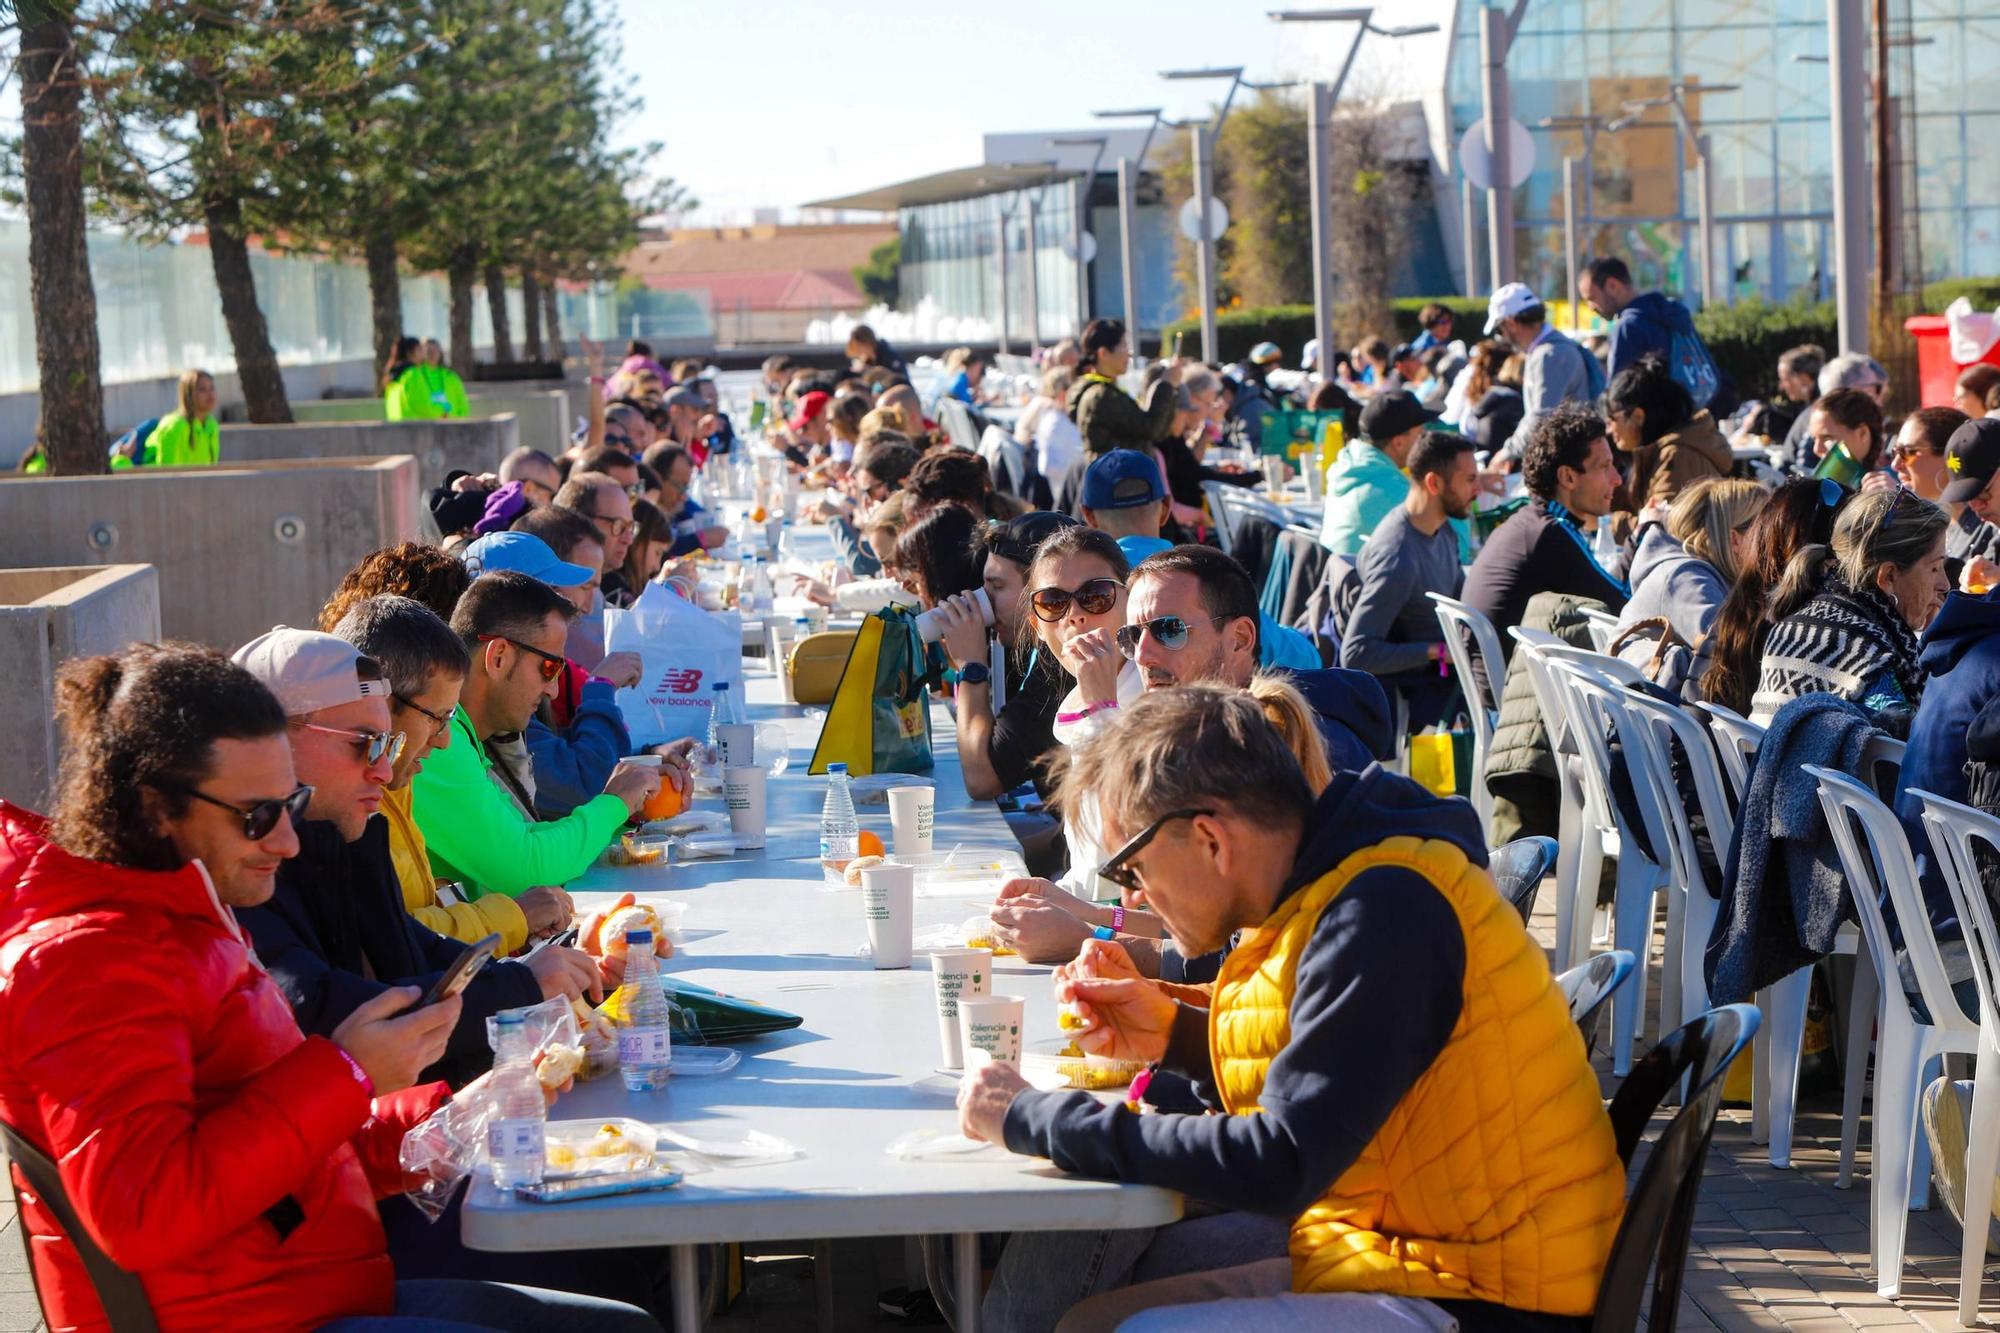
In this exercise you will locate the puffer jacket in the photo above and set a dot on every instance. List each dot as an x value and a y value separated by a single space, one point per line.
1672 463
1521 762
1108 419
229 1162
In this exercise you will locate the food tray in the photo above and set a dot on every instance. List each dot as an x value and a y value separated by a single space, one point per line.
581 1148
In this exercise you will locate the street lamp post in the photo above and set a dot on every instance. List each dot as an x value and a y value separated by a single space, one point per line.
1082 201
1202 138
1319 122
1128 236
1574 231
1496 39
1847 34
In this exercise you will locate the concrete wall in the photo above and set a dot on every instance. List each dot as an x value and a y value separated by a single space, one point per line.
239 547
542 415
440 447
47 617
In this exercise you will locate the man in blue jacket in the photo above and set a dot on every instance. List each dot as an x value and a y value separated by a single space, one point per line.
1956 721
1641 322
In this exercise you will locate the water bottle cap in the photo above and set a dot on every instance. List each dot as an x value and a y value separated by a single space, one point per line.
509 1018
639 935
831 769
720 685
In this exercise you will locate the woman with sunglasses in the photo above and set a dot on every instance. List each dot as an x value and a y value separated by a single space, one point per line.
1846 616
227 1161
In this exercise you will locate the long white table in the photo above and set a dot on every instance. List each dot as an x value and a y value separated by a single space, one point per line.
860 1072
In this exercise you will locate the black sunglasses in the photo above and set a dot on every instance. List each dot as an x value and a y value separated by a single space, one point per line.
1170 632
261 818
1118 872
1094 597
551 664
440 721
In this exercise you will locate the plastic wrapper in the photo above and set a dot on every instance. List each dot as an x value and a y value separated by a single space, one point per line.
874 788
451 1143
687 823
972 933
705 846
935 1145
1061 1063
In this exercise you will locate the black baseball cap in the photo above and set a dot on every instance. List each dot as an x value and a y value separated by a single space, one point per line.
1018 538
1973 456
1390 414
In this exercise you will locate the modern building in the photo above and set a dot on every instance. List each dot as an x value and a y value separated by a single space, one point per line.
1770 135
1028 195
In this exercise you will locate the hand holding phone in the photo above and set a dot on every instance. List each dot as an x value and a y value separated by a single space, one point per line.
393 1040
460 974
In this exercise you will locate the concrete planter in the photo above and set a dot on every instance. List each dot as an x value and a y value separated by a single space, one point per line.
541 415
239 547
47 617
440 447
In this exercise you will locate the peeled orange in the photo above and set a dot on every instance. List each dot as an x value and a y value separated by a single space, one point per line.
868 844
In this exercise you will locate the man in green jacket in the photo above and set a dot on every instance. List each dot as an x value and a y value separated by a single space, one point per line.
1367 481
474 806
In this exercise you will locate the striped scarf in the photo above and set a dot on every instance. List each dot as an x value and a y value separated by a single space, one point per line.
1843 641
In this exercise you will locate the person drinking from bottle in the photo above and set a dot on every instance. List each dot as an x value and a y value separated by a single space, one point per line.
1362 1042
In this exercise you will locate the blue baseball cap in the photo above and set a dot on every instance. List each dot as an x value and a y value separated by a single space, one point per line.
524 553
1122 479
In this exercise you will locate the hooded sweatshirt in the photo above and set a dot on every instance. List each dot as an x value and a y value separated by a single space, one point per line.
1961 654
1647 324
1685 590
1672 463
1387 957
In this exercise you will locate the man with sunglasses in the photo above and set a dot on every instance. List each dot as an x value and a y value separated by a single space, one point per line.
537 474
477 816
608 506
1363 1039
335 933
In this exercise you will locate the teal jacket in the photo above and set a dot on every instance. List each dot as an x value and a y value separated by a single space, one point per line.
477 834
1363 487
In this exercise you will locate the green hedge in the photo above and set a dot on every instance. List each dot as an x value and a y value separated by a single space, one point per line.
1984 293
1291 327
1747 338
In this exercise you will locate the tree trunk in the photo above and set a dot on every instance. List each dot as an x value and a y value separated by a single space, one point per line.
385 290
496 306
59 285
461 274
552 318
531 314
256 362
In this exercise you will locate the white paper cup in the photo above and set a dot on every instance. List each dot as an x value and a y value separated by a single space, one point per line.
778 644
743 793
930 628
957 975
911 812
888 901
991 1023
738 741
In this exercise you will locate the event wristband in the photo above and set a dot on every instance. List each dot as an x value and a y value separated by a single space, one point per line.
1102 932
1117 918
360 1074
1080 715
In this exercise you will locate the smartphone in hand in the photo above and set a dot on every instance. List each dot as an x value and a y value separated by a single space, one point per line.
460 974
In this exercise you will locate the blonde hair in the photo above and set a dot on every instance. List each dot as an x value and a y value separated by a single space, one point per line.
879 420
189 379
1705 515
955 359
1056 381
1288 711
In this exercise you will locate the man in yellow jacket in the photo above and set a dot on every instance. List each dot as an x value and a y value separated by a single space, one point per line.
1400 1077
426 665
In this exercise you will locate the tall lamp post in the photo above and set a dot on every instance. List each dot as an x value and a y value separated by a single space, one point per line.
1128 236
1496 38
1319 132
1675 99
1203 138
1100 143
1589 126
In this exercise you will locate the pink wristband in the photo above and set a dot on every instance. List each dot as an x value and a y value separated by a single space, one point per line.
360 1074
1118 918
1086 712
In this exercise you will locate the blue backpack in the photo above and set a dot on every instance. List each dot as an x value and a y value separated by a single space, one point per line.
132 444
1690 364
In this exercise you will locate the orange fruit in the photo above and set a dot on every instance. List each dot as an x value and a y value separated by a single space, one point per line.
664 804
868 844
758 515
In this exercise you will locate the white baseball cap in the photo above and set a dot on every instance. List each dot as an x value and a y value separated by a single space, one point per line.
1508 302
309 671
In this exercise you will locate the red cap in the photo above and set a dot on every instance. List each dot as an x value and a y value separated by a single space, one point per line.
810 406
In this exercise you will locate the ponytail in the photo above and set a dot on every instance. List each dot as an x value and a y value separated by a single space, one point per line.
1803 578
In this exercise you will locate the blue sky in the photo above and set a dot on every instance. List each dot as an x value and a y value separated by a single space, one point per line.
775 102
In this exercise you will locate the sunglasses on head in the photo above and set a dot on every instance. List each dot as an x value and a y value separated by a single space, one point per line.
260 819
1118 869
373 744
551 664
1093 597
1170 632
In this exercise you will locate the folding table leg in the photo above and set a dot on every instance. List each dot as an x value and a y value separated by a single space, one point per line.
965 1276
685 1269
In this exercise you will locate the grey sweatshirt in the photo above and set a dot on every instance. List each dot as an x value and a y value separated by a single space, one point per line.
1394 623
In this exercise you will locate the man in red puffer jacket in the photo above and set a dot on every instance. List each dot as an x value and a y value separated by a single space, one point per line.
209 1148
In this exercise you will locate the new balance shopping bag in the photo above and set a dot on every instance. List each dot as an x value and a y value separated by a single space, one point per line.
880 719
683 651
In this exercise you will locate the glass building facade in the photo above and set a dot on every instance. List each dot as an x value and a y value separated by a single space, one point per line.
1770 135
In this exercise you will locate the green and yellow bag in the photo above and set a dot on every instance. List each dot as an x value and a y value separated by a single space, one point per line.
880 719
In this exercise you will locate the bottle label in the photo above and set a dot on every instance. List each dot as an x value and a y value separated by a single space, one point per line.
519 1141
645 1047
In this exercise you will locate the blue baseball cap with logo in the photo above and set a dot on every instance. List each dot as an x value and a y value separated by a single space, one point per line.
524 553
1122 479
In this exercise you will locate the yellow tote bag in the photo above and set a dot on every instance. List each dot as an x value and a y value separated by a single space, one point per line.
1431 763
849 734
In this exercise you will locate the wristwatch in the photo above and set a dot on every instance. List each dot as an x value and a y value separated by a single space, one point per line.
974 673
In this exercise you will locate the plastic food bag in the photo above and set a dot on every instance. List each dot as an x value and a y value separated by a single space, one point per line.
972 933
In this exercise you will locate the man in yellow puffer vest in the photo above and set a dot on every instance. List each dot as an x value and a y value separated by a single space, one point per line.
1400 1073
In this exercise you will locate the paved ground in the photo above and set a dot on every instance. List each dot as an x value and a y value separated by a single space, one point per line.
1771 1250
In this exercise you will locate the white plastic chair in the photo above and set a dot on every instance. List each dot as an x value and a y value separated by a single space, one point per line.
1603 628
1598 712
1955 832
1736 740
1583 831
1218 509
1467 632
1905 1047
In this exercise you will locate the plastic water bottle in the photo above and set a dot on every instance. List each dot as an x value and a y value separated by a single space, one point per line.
746 581
645 1027
515 1142
785 540
839 830
762 598
1607 544
722 712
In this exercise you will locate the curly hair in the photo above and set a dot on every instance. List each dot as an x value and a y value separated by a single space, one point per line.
426 574
1560 437
146 720
948 476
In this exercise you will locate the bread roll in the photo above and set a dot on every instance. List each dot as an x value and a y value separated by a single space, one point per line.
859 864
559 1064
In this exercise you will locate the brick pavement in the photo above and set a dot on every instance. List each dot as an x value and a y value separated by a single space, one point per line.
1771 1250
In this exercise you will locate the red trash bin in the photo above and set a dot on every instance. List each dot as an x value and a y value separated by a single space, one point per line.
1937 373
